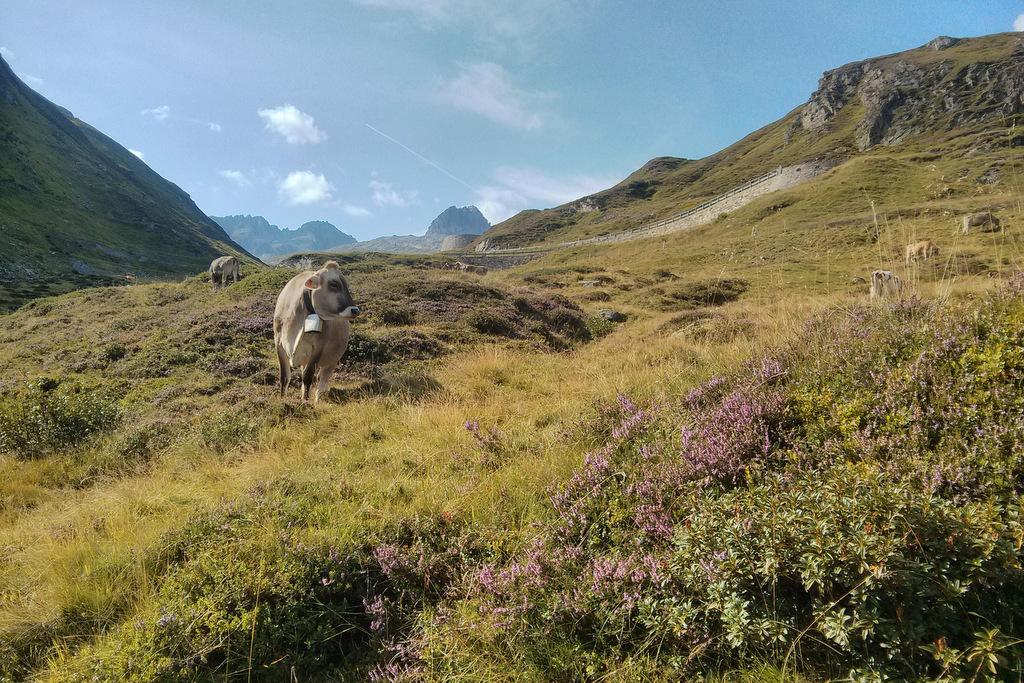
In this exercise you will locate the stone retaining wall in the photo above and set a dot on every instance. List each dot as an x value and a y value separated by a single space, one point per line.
777 179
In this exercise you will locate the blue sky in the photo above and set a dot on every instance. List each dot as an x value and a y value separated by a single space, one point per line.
378 114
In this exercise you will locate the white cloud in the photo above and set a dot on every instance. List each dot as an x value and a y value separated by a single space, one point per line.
297 127
215 127
6 53
1018 23
497 203
237 177
31 80
305 187
484 88
536 186
523 188
157 113
137 153
384 194
356 211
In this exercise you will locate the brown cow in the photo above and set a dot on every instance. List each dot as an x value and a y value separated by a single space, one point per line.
312 328
923 250
983 219
222 269
470 268
885 284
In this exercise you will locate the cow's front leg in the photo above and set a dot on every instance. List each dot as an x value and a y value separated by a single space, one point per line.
308 373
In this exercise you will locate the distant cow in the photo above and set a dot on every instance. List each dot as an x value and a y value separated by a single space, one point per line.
469 268
312 328
885 284
921 251
983 219
222 269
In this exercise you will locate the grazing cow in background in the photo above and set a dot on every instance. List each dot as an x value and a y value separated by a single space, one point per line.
921 251
470 268
885 284
312 328
983 219
223 268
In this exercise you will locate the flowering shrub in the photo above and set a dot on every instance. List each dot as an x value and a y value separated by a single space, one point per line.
851 508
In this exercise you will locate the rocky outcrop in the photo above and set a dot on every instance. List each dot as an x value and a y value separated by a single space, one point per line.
903 96
457 242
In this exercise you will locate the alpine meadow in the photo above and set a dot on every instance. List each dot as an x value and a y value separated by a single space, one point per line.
751 417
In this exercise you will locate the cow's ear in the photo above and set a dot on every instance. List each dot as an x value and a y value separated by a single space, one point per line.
313 282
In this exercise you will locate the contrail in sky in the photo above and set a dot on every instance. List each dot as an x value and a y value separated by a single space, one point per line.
421 157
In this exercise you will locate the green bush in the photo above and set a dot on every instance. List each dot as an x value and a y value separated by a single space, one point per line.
48 416
390 313
223 431
488 322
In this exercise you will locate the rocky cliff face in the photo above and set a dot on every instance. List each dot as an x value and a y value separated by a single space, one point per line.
903 95
464 220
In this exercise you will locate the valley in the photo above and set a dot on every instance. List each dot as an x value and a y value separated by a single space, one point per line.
757 474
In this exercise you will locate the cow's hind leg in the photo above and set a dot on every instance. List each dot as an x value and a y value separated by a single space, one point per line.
286 369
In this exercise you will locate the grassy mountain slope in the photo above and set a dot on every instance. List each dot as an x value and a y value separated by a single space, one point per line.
961 101
76 208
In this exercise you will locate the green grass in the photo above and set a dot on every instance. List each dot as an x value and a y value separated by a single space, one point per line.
90 534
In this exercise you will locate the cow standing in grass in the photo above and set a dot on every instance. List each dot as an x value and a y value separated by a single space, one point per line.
921 251
224 268
312 327
470 268
884 284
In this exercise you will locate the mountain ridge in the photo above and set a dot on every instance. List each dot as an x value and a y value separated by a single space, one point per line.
945 92
78 209
268 241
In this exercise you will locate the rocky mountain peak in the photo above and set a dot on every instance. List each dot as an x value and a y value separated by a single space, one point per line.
464 220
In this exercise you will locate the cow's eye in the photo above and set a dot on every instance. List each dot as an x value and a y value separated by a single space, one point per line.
334 286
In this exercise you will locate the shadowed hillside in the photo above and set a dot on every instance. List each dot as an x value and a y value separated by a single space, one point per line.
78 209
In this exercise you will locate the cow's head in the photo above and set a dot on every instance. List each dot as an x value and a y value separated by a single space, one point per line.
329 294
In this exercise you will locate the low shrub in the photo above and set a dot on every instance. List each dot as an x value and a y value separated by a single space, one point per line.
388 313
850 509
705 293
48 416
227 429
139 443
488 322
